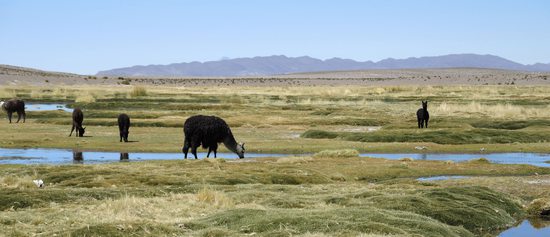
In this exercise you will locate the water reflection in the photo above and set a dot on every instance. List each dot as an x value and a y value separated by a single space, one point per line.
124 157
424 156
78 157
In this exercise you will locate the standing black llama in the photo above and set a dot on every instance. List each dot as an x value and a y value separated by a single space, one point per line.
78 117
208 131
422 115
123 126
14 105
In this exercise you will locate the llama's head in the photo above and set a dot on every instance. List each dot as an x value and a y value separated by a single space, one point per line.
240 150
82 130
425 105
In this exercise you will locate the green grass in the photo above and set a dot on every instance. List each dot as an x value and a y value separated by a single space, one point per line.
439 136
337 221
510 125
329 196
270 119
331 193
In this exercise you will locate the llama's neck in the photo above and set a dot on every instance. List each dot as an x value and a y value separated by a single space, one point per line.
230 142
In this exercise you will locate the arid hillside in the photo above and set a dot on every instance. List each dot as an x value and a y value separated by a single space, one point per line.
11 75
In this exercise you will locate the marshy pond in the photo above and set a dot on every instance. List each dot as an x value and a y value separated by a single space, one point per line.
66 156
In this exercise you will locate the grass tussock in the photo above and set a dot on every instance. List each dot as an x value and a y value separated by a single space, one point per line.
475 202
294 159
11 181
481 160
406 159
214 198
332 221
85 98
138 91
345 153
539 207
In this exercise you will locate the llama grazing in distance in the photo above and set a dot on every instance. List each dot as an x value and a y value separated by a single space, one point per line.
78 117
14 105
123 126
208 131
422 115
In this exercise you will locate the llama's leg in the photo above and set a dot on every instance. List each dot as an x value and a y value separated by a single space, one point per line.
426 123
24 116
209 150
72 129
419 123
9 116
185 148
215 149
194 151
18 116
194 146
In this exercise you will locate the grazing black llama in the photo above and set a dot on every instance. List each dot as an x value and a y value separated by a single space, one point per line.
14 105
422 115
208 131
123 126
78 117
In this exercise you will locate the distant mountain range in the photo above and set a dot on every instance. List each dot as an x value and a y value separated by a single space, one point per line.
275 65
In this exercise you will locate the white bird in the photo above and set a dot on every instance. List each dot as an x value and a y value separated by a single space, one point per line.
39 183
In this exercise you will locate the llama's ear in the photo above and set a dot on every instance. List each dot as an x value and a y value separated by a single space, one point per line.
242 145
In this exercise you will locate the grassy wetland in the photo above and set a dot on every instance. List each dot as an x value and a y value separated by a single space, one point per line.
330 192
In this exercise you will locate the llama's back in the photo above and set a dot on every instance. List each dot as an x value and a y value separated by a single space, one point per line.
209 129
123 121
14 105
78 116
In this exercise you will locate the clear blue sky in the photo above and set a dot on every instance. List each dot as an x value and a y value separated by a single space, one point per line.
88 36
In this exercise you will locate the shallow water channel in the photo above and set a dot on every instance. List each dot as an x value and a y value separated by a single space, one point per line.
442 177
65 156
46 107
536 159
